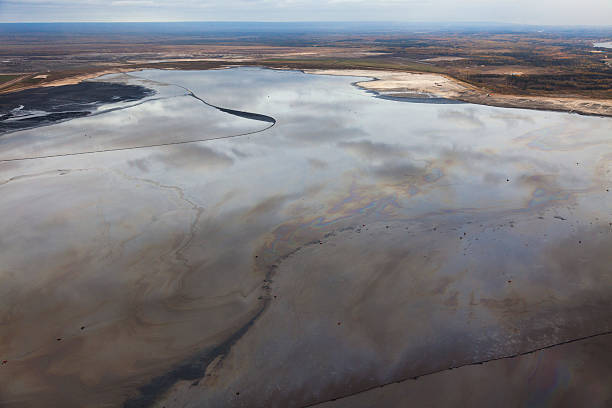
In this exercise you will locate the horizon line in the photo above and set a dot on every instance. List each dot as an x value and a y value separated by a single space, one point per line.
310 22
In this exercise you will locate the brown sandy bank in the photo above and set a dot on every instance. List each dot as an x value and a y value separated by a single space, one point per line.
400 84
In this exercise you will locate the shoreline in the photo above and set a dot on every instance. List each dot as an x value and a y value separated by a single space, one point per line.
399 84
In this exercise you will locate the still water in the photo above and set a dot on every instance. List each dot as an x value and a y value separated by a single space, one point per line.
168 252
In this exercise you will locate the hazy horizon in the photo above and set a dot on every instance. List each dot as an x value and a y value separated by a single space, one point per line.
545 12
377 23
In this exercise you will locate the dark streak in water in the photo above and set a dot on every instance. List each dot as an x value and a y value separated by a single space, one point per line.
192 369
195 367
247 115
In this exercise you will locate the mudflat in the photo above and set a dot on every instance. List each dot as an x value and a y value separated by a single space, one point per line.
51 104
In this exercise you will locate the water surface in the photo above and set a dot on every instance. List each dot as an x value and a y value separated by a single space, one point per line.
356 242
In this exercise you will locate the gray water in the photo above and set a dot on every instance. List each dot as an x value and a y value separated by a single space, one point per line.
358 241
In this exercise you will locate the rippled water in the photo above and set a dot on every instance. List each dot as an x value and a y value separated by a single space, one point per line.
357 241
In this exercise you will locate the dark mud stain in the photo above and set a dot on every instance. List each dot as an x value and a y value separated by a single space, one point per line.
190 370
35 107
242 114
33 121
248 115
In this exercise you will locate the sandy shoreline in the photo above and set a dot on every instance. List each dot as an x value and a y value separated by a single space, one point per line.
400 84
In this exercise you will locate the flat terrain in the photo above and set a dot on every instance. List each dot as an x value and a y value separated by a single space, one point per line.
295 216
252 237
557 69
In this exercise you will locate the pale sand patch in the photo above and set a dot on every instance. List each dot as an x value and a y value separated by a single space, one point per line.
389 81
442 86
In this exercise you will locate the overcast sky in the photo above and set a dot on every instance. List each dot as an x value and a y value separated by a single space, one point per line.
583 12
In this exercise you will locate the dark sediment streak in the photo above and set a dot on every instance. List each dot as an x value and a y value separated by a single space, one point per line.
193 369
36 121
242 114
248 115
63 102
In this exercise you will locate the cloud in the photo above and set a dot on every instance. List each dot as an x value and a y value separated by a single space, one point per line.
518 11
133 3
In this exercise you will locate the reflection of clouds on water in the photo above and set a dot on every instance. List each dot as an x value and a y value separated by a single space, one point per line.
194 157
565 134
317 164
373 151
312 109
398 171
268 205
465 117
511 118
140 164
238 153
387 162
319 130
